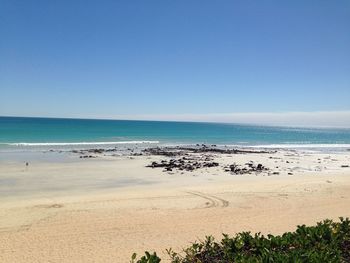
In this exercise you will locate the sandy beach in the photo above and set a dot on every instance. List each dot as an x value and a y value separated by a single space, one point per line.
103 209
202 131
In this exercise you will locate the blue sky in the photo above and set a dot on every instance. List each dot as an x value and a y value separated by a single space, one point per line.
129 58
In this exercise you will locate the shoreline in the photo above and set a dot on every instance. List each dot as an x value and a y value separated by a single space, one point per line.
125 147
105 208
153 166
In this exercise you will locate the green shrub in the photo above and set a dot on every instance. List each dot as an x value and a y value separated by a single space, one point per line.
328 241
147 258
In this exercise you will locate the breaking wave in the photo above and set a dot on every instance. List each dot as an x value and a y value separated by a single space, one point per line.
77 143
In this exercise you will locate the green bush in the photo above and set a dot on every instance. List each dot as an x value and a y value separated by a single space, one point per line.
328 241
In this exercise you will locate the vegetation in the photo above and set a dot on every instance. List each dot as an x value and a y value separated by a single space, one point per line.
328 241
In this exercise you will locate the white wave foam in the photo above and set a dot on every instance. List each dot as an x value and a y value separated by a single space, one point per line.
78 143
291 146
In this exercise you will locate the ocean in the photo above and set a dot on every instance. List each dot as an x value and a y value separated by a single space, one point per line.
21 133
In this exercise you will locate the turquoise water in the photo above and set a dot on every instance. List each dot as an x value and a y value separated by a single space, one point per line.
39 131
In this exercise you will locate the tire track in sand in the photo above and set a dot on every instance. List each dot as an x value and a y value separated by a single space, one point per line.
212 201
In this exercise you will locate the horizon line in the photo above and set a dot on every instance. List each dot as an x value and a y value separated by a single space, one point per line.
311 119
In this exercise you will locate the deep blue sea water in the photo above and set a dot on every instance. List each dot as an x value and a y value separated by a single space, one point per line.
22 132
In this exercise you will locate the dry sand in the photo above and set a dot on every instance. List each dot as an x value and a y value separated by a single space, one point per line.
103 210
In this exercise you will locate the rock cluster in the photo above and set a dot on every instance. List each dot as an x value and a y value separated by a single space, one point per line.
246 169
95 151
87 153
183 163
181 150
87 156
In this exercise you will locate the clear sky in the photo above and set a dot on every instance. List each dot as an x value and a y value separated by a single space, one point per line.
116 58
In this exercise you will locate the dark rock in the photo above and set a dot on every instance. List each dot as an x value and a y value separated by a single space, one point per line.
250 168
87 156
180 150
213 164
182 164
